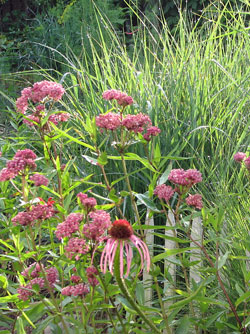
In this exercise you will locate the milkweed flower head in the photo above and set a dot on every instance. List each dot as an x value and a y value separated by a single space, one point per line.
195 200
88 202
110 121
122 98
39 180
76 290
151 132
247 163
183 177
136 123
164 192
97 227
91 276
76 247
239 156
121 236
69 226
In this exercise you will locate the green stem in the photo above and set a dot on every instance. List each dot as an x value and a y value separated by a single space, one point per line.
124 290
131 193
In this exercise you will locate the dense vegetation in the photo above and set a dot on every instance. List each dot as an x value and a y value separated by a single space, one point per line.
190 76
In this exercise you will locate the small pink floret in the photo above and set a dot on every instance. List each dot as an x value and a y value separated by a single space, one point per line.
122 98
136 123
110 121
39 180
195 200
247 163
239 156
164 192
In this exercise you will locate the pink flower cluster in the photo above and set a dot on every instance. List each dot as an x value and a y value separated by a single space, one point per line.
76 290
38 212
136 123
88 202
25 291
242 157
39 180
164 192
151 132
69 226
122 98
38 92
91 276
109 121
36 272
195 200
98 226
22 160
76 247
133 123
183 177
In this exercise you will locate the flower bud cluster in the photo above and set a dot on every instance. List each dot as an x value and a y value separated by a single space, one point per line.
22 160
35 273
138 123
40 93
76 290
242 158
38 212
183 180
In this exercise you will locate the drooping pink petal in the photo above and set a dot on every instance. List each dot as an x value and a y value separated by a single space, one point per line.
129 257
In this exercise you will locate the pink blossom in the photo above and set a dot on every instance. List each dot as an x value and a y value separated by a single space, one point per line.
6 174
24 292
164 192
152 131
178 176
49 89
75 278
76 247
22 104
136 123
76 290
39 180
120 236
247 163
32 271
61 117
109 121
185 178
98 226
69 226
23 218
88 202
91 276
22 159
122 98
195 200
52 275
239 156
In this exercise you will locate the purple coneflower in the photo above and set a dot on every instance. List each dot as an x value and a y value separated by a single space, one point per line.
120 235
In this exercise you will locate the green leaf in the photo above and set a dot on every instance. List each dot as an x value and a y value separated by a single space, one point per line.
3 282
242 298
72 138
222 260
102 159
164 176
148 202
170 252
183 327
91 160
19 326
145 162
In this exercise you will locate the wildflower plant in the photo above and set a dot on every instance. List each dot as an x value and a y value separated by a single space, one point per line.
78 260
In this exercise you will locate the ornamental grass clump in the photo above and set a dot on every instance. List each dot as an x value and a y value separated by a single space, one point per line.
81 259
